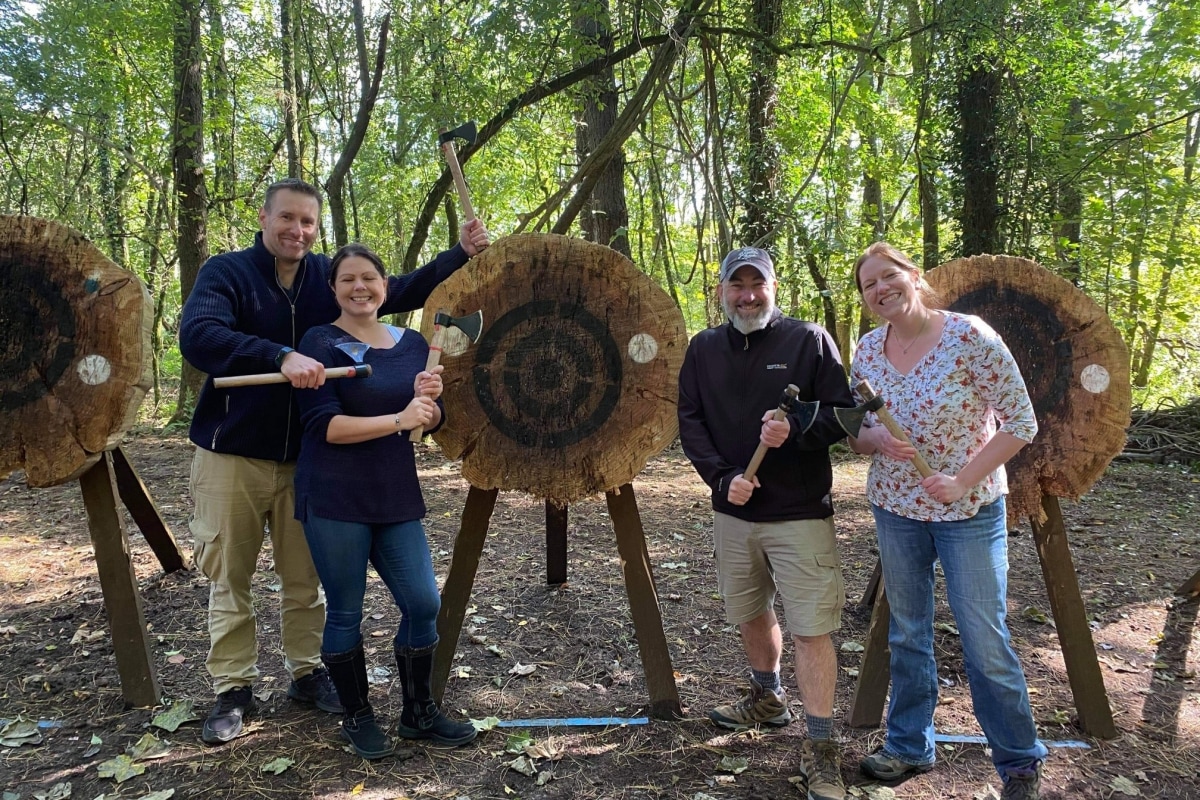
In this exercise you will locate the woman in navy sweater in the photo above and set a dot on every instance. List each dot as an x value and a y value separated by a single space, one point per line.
358 497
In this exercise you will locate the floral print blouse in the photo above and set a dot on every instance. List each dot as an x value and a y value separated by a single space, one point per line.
951 404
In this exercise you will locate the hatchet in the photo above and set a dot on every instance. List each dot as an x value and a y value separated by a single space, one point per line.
851 420
446 138
805 410
470 324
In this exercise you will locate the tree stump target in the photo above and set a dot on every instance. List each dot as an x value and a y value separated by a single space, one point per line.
75 363
569 391
1076 369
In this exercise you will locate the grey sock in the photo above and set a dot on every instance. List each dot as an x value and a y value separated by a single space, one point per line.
819 728
767 680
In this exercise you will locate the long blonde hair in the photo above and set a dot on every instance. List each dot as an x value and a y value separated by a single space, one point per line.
929 295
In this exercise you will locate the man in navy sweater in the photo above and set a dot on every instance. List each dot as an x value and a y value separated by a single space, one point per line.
245 315
774 533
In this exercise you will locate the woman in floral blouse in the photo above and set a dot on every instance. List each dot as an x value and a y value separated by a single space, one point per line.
951 383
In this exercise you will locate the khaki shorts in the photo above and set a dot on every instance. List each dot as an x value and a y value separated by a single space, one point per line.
796 558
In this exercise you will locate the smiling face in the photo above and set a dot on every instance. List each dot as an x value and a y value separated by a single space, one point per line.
889 289
359 286
289 225
747 298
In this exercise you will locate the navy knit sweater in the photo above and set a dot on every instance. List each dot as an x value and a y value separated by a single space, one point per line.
236 321
375 481
728 381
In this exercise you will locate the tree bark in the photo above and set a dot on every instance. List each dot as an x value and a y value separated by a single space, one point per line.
978 101
291 88
762 153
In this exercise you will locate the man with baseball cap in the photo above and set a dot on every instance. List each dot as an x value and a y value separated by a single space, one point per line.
773 534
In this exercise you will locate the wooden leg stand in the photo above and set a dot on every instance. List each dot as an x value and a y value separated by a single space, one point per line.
1070 617
1189 588
874 671
122 602
643 602
556 544
144 511
456 593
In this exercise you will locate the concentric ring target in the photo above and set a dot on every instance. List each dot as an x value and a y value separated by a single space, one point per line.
548 374
37 335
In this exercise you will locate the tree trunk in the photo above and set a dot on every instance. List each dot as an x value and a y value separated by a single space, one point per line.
188 160
291 87
919 47
762 154
222 130
978 100
605 216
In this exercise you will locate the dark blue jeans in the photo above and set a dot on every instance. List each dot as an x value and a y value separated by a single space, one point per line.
974 556
400 554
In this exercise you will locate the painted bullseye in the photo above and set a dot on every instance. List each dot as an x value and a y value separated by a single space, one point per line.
548 374
37 336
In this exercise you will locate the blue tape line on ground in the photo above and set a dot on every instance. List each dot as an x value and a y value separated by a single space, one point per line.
572 722
957 739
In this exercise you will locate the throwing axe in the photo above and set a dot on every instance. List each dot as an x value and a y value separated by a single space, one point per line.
470 324
805 410
446 138
851 420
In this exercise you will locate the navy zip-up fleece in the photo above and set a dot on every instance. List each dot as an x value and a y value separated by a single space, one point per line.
728 381
236 321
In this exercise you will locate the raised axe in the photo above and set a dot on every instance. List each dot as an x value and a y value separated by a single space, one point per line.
446 138
357 371
851 420
806 410
470 324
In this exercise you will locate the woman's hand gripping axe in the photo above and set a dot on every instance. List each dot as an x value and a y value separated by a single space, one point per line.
471 325
851 420
806 411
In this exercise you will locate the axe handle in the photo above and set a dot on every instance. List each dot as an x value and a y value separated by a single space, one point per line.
867 393
459 183
431 361
761 452
360 371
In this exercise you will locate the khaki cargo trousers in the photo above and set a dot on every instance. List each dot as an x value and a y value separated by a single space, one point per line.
237 500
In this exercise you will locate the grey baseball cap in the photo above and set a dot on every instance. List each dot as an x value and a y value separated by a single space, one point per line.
755 257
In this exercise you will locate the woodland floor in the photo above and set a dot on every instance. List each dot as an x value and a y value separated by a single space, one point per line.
1135 540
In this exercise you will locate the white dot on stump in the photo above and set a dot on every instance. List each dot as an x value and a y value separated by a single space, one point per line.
642 348
1094 378
94 370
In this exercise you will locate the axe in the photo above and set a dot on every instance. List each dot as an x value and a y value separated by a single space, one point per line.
807 411
357 371
470 324
446 138
851 420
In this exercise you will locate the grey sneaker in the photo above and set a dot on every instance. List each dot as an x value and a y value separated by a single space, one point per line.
224 722
821 770
1023 784
316 689
882 767
758 706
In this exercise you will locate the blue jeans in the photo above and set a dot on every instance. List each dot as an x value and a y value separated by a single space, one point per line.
399 553
974 556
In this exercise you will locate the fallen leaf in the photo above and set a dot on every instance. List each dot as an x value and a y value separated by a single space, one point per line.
93 746
852 647
19 732
176 714
277 766
517 742
733 765
522 669
1125 786
165 794
121 768
1035 614
947 628
485 724
59 791
523 765
358 788
8 630
148 747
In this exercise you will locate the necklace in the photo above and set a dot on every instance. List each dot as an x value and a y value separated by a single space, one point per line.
904 348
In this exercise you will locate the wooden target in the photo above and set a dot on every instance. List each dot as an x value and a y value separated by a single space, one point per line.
74 351
1074 362
573 383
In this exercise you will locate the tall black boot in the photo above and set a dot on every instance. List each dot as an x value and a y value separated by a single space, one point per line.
349 674
421 717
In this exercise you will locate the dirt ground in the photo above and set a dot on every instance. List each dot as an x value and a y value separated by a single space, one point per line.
1134 537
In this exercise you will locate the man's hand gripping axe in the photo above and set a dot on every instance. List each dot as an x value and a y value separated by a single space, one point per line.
471 325
805 410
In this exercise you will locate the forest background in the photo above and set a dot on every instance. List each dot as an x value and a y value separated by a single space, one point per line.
1065 131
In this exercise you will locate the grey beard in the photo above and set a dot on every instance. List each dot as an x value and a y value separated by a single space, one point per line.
749 324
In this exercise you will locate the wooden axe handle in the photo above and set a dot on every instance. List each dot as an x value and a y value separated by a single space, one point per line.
867 393
459 183
435 355
761 452
360 371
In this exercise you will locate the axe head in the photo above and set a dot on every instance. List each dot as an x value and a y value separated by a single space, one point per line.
466 132
804 410
851 419
470 324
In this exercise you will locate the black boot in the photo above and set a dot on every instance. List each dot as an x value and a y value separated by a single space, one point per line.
349 674
421 717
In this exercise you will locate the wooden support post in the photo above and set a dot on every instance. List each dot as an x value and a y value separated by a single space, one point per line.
874 671
643 603
1189 588
873 585
556 544
122 602
456 593
144 511
1070 617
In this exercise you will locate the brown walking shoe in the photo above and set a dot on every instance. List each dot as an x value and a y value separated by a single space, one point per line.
758 706
821 770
